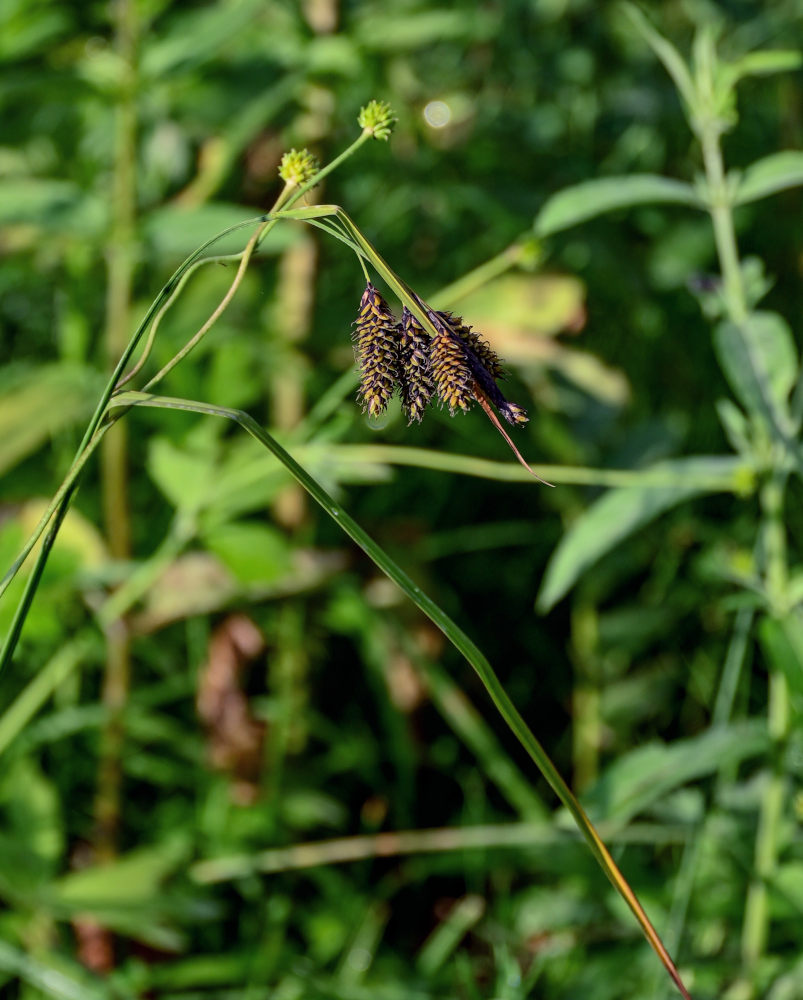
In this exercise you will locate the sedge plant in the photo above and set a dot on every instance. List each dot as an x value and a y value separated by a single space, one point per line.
424 354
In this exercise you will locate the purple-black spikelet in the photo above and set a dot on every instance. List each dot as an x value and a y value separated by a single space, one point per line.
513 413
483 365
486 355
415 377
376 348
449 367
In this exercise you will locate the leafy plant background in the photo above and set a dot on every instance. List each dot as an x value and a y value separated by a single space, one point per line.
648 676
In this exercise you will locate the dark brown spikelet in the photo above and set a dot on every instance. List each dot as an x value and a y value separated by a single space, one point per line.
376 348
483 363
513 413
450 371
417 386
478 344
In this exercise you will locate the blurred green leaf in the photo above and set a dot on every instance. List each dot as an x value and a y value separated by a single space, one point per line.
759 358
385 30
673 62
620 512
195 36
55 975
35 199
606 194
254 553
173 232
132 879
444 939
39 402
185 477
31 811
782 641
764 63
771 174
26 28
786 897
526 305
642 777
16 715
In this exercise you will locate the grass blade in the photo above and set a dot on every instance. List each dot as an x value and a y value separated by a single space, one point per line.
453 633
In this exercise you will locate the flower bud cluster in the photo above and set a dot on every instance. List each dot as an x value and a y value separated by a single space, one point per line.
298 166
377 118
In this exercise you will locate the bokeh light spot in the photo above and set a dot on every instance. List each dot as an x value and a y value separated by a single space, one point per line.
437 114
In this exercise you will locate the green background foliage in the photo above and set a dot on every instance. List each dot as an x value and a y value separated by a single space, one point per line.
644 615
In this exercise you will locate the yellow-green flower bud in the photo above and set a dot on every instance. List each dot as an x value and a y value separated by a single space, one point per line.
298 166
377 118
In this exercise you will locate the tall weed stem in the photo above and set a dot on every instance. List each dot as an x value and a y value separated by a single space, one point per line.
756 921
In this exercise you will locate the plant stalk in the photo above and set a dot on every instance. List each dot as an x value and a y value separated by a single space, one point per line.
120 256
719 207
756 921
756 926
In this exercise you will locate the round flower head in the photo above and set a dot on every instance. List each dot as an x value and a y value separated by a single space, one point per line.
377 118
298 166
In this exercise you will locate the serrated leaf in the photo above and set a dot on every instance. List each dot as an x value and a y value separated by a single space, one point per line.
759 359
771 174
606 194
620 512
641 777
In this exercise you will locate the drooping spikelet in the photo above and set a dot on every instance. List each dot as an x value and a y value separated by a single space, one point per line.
483 364
449 368
415 378
513 413
376 348
486 355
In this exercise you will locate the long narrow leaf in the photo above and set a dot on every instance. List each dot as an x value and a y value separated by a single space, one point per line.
769 175
453 633
595 197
